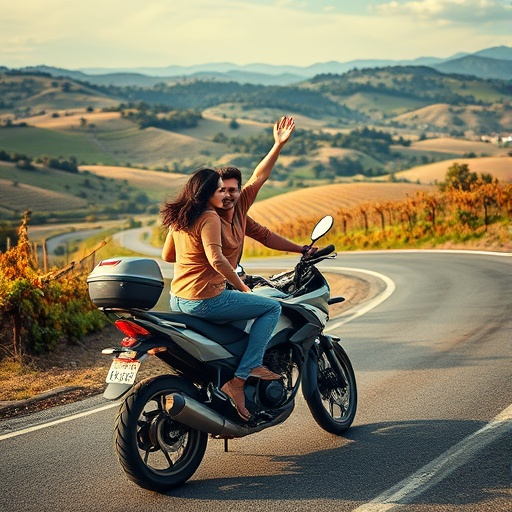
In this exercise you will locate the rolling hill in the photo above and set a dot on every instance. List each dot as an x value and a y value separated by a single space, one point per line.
467 120
15 196
157 185
62 117
499 166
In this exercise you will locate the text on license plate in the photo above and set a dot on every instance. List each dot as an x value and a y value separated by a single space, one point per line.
122 372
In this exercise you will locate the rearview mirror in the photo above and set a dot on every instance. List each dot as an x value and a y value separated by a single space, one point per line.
321 228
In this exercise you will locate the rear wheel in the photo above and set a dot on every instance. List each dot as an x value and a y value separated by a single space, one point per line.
330 389
156 452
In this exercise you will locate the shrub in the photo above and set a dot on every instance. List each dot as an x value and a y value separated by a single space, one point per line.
40 309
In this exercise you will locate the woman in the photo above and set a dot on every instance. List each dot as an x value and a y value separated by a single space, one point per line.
198 287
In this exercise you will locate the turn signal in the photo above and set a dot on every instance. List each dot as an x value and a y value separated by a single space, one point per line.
156 350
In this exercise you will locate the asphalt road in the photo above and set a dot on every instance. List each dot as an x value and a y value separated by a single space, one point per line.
433 430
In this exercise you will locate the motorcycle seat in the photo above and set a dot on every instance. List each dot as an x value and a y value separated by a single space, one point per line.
223 334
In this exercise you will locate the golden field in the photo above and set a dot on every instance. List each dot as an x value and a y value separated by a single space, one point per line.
315 202
498 166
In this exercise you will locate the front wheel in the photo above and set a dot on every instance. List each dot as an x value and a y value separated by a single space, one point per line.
329 388
156 452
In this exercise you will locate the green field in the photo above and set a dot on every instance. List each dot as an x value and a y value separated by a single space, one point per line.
49 179
35 142
46 191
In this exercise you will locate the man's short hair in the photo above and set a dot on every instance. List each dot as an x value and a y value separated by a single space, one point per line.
229 172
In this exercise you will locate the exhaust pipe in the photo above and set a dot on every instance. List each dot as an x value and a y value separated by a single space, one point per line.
194 414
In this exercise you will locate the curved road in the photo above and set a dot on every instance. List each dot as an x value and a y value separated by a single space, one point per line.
432 430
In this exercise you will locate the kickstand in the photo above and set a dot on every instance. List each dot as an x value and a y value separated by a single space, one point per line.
226 447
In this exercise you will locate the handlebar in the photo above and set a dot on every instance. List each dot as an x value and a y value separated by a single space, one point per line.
321 253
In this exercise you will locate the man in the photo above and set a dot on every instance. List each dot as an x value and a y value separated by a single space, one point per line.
236 223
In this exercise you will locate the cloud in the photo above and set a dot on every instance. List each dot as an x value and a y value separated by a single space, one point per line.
133 33
453 11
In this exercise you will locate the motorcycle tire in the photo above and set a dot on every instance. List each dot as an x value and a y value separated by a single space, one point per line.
156 452
329 387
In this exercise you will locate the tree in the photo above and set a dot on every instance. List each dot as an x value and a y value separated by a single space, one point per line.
459 177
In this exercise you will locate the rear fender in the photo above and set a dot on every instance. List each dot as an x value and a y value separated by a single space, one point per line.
115 391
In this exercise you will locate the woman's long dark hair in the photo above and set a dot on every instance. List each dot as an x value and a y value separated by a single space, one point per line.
192 201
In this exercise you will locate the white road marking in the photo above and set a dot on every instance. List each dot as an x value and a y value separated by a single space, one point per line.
390 288
57 422
440 468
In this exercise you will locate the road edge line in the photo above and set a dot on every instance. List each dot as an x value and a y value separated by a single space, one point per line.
65 419
376 301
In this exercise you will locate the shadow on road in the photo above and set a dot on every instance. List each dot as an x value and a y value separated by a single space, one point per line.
369 460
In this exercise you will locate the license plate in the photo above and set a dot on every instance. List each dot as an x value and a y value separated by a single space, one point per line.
122 372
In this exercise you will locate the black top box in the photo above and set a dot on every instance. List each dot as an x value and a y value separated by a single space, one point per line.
126 283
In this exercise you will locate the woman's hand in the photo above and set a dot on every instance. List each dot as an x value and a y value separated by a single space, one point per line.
283 130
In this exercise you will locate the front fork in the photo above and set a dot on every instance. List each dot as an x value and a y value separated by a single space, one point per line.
328 344
323 344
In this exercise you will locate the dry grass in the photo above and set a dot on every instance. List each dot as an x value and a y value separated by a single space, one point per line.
77 371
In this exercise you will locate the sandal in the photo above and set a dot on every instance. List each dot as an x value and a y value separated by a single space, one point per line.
237 397
263 373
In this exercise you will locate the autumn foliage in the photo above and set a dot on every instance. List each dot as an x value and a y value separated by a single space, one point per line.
466 206
38 309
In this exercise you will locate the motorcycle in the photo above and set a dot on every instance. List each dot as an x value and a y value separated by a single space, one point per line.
163 424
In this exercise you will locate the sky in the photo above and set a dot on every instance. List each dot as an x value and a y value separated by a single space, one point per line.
83 34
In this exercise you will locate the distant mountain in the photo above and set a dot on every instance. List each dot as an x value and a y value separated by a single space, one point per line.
61 72
481 67
119 79
487 63
497 52
258 73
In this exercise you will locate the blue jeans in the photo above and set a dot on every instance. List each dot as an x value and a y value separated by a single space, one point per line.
233 305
